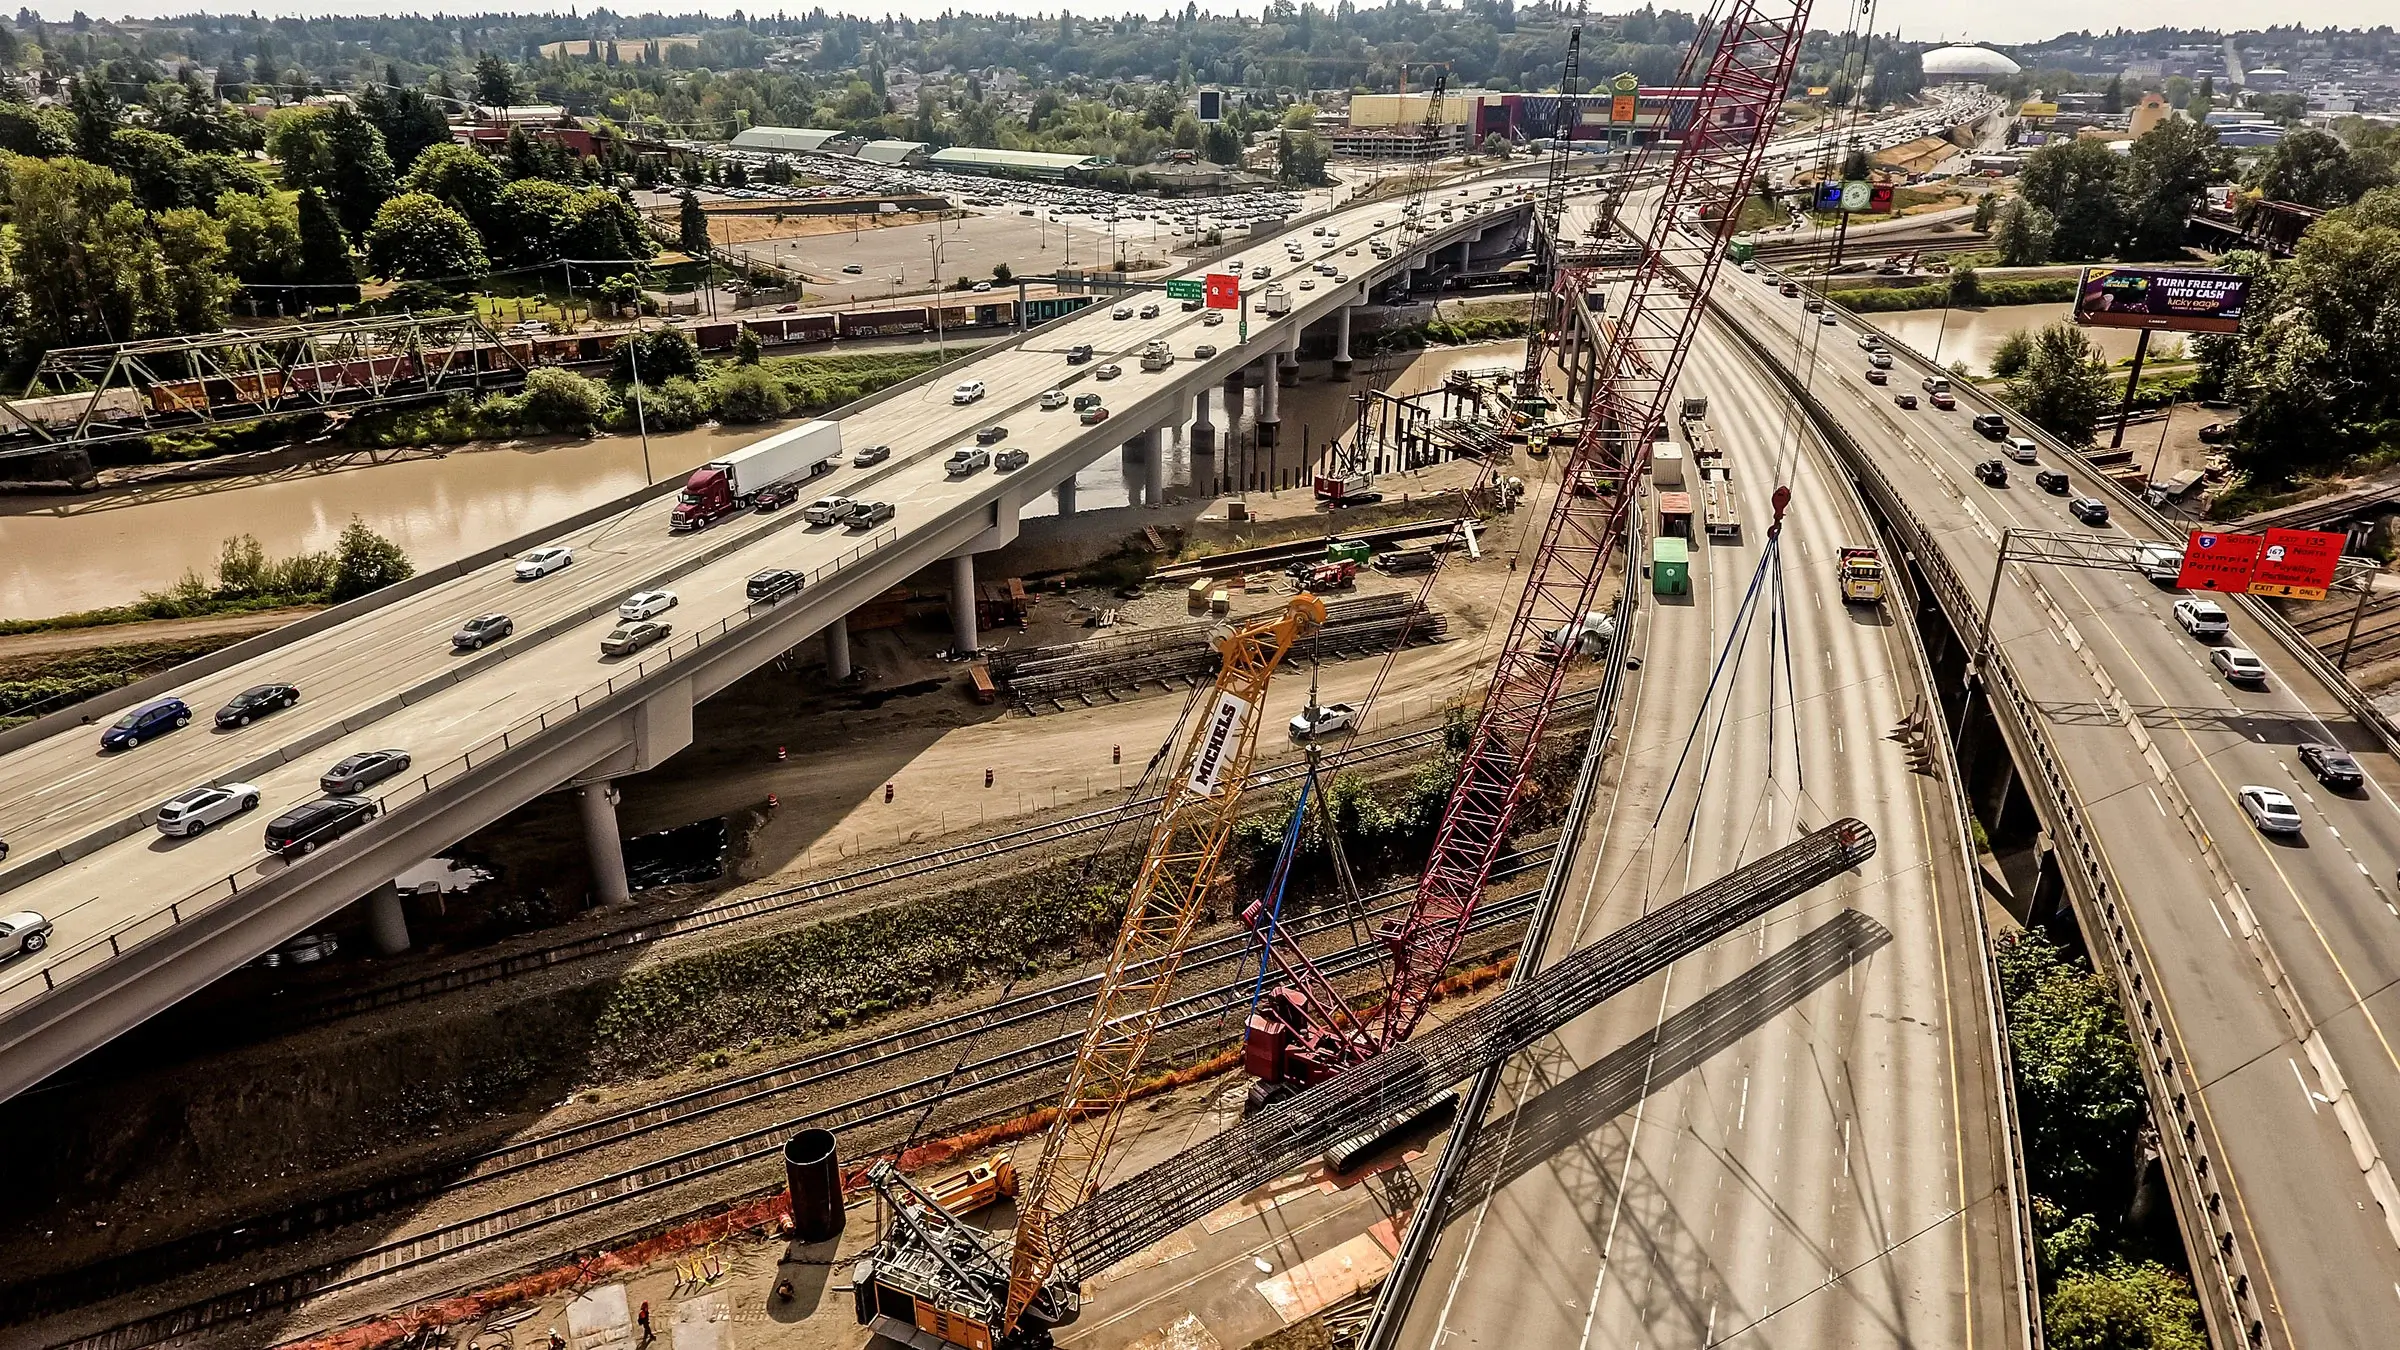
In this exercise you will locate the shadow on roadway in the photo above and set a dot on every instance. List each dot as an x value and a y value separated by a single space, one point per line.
1564 1118
2268 728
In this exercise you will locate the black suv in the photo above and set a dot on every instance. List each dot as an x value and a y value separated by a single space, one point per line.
774 584
256 701
2051 481
1993 473
1079 353
300 830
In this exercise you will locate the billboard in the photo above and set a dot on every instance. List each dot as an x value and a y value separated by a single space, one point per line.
2171 300
1224 291
1212 105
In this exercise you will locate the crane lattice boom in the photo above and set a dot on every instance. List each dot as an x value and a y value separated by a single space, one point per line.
1196 816
1307 1032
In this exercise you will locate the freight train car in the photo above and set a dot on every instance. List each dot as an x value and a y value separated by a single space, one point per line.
859 323
60 412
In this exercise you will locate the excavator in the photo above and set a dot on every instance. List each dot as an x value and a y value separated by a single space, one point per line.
935 1275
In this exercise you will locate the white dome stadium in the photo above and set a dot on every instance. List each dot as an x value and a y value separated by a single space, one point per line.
1968 63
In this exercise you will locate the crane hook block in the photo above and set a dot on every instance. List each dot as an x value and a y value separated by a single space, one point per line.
1783 498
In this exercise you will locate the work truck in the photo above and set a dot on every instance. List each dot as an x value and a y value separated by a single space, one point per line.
721 487
1157 357
1720 508
1860 570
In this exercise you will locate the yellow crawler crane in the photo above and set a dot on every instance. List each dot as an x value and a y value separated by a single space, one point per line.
1196 817
932 1271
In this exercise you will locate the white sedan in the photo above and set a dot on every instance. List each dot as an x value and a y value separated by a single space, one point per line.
1326 721
646 605
543 561
2238 665
2271 811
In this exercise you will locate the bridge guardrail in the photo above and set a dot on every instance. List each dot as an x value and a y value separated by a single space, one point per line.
2352 698
108 945
2230 1299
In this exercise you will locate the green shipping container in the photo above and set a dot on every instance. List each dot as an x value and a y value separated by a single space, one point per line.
1670 566
1349 550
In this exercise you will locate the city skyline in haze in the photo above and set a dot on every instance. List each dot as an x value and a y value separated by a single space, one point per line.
2027 21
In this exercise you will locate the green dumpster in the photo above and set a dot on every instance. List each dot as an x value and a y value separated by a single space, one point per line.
1348 551
1670 566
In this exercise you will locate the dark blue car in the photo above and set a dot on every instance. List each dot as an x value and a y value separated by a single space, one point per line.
147 722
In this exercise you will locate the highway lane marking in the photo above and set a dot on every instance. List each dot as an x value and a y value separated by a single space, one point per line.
2310 1097
2266 1271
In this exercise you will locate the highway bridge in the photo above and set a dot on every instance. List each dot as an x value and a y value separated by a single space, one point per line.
143 920
2258 973
1800 1137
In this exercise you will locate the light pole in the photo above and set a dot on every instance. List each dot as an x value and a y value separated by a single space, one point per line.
2163 423
633 355
940 343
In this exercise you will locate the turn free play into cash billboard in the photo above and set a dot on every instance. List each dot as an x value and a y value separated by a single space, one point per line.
2168 299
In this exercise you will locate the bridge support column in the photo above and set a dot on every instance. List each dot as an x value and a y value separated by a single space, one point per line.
962 604
1341 343
387 922
1270 418
837 648
1154 467
1065 492
1287 361
1204 433
602 845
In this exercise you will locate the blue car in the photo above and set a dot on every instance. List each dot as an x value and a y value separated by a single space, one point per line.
147 722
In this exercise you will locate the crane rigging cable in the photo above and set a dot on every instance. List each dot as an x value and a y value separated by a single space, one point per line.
1748 47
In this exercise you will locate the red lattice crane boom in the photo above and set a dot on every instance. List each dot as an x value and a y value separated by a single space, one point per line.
1307 1030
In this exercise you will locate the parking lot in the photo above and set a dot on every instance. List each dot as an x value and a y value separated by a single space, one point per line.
899 260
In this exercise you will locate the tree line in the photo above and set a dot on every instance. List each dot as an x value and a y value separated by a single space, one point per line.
141 217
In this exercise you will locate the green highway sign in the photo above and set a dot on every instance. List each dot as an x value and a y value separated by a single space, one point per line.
1184 290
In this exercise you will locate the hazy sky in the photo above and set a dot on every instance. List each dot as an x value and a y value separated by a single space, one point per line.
1964 20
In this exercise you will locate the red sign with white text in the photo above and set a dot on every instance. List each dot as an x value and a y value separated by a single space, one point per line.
2218 562
2297 564
1224 291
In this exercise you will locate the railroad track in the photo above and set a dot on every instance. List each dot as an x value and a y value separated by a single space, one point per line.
2378 632
135 1270
350 1003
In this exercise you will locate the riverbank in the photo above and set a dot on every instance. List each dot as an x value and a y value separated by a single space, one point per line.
65 553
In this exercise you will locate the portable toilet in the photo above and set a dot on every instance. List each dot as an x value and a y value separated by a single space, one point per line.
1670 566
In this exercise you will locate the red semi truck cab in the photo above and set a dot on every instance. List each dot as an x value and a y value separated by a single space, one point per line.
707 497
